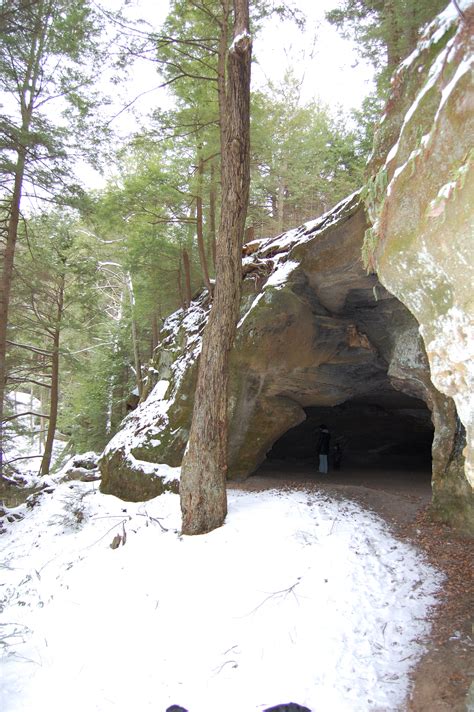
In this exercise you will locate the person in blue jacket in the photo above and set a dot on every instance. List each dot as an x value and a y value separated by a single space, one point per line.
324 438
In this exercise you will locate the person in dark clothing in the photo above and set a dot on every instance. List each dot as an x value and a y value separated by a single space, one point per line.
337 456
322 448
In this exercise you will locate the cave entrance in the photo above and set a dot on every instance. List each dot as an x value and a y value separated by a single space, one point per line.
388 433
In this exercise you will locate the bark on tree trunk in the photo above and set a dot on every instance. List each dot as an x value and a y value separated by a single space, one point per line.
204 469
212 216
155 331
54 392
179 279
28 85
187 278
200 231
281 199
392 34
5 286
274 203
135 344
44 400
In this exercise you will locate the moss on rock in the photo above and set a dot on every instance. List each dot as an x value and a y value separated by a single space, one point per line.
124 478
423 254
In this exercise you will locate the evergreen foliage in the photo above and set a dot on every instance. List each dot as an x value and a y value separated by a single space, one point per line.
49 53
385 31
304 159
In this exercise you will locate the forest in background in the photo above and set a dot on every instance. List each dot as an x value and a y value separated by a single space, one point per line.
88 276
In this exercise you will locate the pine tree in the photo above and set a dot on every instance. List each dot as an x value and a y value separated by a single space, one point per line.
42 60
54 310
303 159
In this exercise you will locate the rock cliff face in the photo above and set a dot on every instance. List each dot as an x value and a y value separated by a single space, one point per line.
317 331
424 223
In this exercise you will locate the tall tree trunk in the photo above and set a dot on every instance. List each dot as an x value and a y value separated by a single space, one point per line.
187 278
392 31
282 195
5 285
274 204
199 229
54 392
135 344
44 400
28 85
179 279
212 215
204 468
32 418
155 331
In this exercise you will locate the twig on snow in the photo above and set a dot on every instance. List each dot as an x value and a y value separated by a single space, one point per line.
284 592
460 12
227 662
153 519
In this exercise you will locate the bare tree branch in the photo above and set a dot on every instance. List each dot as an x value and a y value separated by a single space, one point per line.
21 415
34 349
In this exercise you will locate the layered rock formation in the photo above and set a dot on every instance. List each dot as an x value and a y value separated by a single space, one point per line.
317 331
424 224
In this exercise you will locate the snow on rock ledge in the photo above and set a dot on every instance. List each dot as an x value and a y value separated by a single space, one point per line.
123 474
426 221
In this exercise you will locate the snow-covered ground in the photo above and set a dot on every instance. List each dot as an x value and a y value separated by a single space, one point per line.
298 597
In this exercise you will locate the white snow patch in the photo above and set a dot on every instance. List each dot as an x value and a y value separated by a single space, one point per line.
154 469
193 320
433 76
238 38
286 240
276 280
279 277
465 66
435 31
312 600
252 306
138 424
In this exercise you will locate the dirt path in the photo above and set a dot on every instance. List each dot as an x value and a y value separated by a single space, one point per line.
443 677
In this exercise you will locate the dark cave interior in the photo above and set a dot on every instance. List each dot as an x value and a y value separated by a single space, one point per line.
382 431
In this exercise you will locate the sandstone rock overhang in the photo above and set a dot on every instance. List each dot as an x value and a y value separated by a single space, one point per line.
315 330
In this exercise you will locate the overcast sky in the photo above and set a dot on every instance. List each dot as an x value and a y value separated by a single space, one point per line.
319 56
